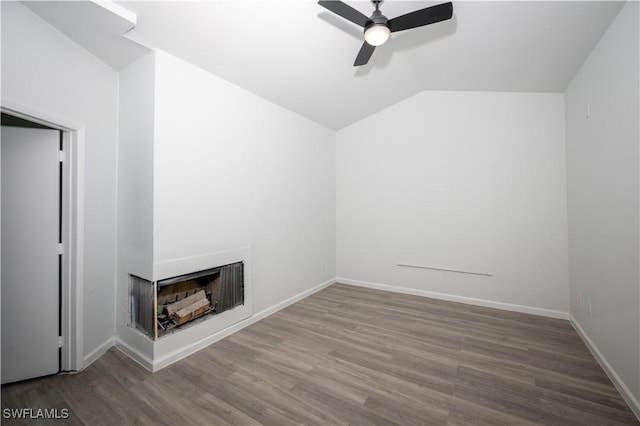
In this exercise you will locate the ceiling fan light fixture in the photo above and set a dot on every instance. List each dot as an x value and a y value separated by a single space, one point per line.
377 34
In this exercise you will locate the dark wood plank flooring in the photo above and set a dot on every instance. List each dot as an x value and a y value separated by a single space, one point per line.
349 355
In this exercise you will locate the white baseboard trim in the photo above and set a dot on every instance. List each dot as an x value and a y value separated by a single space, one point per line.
92 356
290 301
631 400
212 338
460 299
134 354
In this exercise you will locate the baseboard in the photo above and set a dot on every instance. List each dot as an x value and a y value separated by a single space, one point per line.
212 338
631 400
460 299
290 301
93 356
134 354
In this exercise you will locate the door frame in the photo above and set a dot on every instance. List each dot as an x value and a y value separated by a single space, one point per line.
72 286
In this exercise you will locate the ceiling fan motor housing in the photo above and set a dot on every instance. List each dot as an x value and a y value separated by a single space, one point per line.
377 18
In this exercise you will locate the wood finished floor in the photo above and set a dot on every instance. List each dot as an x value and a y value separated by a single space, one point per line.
350 355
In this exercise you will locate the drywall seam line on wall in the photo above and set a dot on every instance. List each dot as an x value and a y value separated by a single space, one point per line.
459 299
437 268
626 393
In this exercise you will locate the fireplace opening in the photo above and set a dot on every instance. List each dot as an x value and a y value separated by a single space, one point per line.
163 307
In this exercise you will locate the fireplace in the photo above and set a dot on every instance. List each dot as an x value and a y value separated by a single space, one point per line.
166 306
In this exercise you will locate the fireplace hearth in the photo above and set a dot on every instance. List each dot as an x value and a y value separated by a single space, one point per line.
166 306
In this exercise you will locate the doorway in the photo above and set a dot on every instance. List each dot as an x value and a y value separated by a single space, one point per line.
31 249
32 312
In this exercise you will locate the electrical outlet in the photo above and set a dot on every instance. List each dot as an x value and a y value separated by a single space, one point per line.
579 298
322 265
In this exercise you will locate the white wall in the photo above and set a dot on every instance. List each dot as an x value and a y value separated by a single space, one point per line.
233 170
135 167
135 188
207 169
44 70
471 181
603 191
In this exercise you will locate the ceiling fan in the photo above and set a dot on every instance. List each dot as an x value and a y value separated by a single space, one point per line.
378 27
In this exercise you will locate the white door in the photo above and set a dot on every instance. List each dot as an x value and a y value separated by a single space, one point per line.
30 235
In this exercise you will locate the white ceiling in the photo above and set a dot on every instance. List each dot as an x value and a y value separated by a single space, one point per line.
299 55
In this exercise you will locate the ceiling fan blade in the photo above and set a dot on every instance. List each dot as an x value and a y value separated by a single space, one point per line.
364 54
429 15
346 11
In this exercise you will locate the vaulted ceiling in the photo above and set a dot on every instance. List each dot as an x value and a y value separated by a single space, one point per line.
299 55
